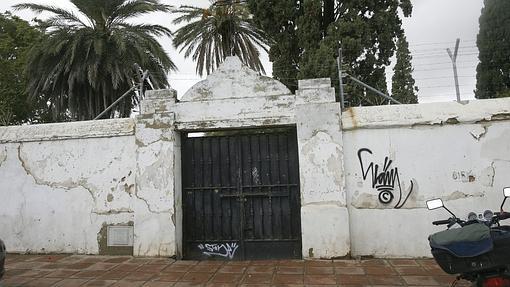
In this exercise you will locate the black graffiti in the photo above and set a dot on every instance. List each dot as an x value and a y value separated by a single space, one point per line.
384 179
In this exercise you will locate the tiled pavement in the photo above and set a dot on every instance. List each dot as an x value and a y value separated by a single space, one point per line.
78 270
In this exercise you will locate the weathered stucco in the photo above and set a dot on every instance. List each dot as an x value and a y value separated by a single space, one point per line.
56 194
364 174
466 163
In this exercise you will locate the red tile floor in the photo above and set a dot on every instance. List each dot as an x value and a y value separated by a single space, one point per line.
81 270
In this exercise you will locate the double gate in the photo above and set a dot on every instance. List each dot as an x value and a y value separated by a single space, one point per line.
241 195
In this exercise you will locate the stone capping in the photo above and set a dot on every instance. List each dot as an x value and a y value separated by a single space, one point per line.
466 112
67 130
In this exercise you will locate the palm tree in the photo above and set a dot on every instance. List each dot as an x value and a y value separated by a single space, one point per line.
224 29
86 61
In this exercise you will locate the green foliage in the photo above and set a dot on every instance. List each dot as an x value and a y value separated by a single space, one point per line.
16 38
86 62
403 88
307 38
493 41
211 34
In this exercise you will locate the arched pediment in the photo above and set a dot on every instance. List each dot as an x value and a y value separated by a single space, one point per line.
234 80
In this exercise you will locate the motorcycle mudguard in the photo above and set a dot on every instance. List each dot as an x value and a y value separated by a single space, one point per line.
468 241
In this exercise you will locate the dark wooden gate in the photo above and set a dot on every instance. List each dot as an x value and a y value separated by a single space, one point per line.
241 195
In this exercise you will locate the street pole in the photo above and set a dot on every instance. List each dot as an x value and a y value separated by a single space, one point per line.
454 63
340 81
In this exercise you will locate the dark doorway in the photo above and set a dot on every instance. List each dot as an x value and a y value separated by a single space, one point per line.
241 195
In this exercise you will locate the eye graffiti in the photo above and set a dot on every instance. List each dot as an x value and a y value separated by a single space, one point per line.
385 179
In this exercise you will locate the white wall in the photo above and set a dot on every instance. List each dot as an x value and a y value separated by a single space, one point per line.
466 164
59 183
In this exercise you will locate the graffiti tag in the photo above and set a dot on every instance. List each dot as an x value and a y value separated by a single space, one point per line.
385 179
223 250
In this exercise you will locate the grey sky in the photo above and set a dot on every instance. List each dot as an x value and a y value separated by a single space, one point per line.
433 27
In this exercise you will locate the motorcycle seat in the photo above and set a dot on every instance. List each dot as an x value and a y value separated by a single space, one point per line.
467 241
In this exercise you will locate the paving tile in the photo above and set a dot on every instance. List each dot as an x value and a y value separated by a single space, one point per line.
94 259
196 277
352 279
70 282
226 278
291 263
319 263
177 268
114 275
445 279
140 276
233 269
161 261
88 274
420 281
61 273
411 270
99 283
15 272
206 268
350 270
319 270
290 270
16 280
390 280
261 269
213 284
188 284
264 263
126 267
288 279
434 270
128 283
346 263
373 262
26 265
119 259
157 284
320 279
78 265
42 282
50 258
101 266
239 263
211 263
380 270
169 277
185 262
35 273
72 259
403 262
426 262
151 268
139 260
258 278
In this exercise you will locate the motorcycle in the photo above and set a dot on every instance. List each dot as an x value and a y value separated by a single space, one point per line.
477 249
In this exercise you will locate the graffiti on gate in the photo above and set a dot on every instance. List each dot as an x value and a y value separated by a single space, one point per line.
224 250
385 179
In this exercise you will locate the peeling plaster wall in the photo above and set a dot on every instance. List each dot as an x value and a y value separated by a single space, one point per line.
59 184
465 162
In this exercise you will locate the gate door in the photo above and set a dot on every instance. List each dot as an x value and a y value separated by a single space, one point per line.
241 195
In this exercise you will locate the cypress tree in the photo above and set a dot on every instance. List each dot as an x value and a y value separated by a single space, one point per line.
493 41
402 86
306 42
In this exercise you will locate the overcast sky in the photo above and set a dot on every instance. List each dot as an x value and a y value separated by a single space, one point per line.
433 27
